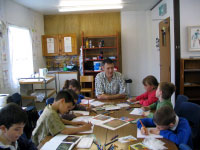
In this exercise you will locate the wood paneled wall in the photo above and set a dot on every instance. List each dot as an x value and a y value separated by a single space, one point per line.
90 24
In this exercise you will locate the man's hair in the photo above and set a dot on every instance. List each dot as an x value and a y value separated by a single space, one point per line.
74 95
72 82
167 89
150 80
107 61
12 114
66 95
164 116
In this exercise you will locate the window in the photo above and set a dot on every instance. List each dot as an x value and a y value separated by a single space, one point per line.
20 53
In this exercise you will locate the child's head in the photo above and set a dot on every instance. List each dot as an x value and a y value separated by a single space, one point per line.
12 121
74 95
72 84
65 101
165 90
150 83
164 118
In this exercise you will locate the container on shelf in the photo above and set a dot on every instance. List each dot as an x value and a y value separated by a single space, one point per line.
97 65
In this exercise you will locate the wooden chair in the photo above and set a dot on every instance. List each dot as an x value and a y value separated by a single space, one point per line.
84 86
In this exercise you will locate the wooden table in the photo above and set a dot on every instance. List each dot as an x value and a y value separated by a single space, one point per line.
104 135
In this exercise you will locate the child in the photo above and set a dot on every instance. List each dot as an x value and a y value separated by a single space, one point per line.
163 93
76 87
149 97
169 125
12 122
70 116
50 122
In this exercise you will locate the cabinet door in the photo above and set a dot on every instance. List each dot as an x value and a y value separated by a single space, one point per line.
68 44
63 76
50 45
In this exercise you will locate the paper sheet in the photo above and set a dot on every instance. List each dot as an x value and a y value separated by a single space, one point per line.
140 135
97 103
111 107
126 139
50 45
114 124
84 132
123 105
137 111
85 101
68 44
83 118
100 119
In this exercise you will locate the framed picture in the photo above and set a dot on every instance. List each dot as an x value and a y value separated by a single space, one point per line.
194 38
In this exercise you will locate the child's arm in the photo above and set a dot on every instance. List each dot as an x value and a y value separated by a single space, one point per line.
181 136
150 100
85 127
142 96
73 123
148 122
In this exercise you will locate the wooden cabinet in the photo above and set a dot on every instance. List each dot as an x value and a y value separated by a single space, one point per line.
96 49
190 79
61 44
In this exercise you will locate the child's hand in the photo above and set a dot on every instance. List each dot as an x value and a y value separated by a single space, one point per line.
145 108
155 131
132 99
87 126
144 131
80 123
78 114
146 113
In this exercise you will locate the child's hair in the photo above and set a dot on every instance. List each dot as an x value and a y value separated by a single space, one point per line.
167 89
72 82
107 61
12 114
150 80
66 95
164 116
74 95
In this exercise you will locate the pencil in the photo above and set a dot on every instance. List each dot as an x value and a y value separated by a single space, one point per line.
145 129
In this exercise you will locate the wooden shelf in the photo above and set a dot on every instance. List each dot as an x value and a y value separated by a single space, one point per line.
99 48
90 71
36 80
100 36
100 60
191 70
192 85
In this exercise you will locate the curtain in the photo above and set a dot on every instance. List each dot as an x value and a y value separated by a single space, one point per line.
20 55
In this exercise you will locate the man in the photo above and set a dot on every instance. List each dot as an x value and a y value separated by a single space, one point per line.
109 84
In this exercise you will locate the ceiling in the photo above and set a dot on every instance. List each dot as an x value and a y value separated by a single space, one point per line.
51 6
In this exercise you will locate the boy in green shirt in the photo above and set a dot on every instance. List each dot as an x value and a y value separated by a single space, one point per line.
50 122
163 93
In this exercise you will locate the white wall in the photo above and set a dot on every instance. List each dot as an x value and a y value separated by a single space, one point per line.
189 16
140 57
156 19
137 57
15 14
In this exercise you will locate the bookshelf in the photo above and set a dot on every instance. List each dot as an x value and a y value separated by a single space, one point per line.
190 79
98 48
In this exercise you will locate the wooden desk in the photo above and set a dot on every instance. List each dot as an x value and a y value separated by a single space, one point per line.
104 135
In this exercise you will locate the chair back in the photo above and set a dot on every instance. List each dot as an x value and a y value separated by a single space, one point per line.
191 112
180 99
84 88
49 100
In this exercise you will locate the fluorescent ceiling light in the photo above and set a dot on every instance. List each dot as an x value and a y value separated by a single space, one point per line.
88 2
82 8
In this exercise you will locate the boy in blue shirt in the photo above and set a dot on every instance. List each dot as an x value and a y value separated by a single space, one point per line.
169 125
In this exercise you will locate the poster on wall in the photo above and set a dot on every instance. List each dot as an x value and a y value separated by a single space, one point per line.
50 45
194 38
68 44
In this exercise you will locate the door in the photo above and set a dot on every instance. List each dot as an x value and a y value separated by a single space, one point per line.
165 57
50 45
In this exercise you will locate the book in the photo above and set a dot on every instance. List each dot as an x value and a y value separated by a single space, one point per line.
138 146
126 119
